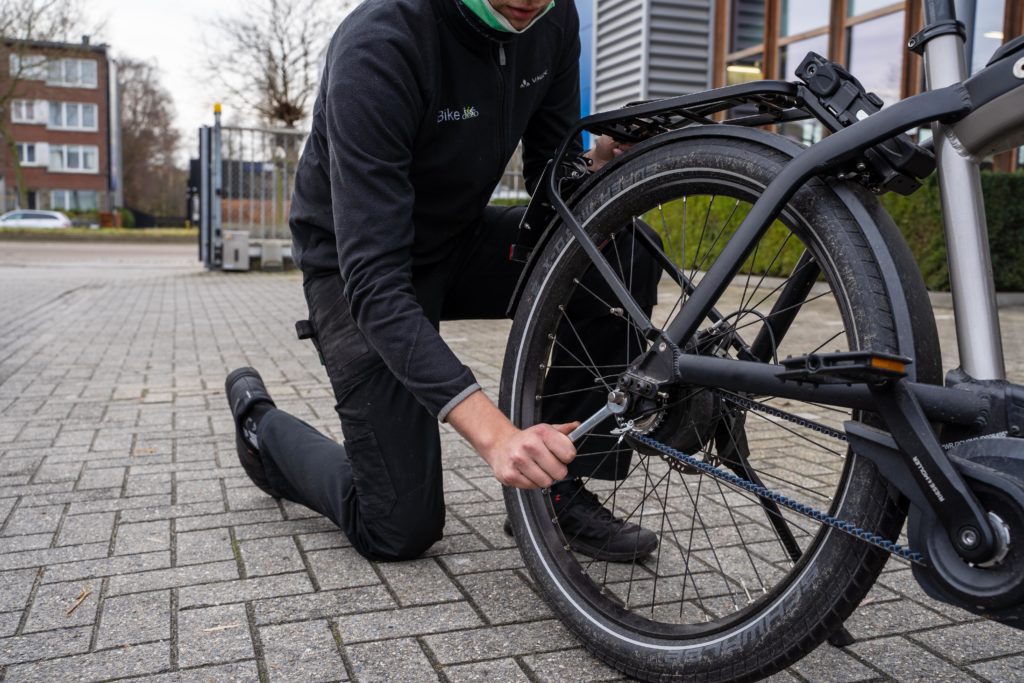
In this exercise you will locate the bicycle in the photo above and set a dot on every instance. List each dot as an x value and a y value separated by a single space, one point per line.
776 471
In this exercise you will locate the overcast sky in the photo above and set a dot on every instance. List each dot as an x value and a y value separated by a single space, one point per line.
169 32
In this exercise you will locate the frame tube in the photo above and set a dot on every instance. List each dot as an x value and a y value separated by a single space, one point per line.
939 403
963 210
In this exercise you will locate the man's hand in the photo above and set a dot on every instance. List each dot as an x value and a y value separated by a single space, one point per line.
530 458
604 150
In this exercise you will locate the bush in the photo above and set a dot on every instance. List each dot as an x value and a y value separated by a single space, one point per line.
919 218
127 218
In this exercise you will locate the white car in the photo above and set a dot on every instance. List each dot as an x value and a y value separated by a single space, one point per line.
31 218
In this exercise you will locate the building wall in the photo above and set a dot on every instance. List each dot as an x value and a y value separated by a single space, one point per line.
42 180
648 49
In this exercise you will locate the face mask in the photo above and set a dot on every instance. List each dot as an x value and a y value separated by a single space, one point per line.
487 14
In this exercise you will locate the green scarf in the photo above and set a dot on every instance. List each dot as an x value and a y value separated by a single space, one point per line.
487 14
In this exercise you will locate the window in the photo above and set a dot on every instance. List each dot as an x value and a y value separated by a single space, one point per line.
74 200
30 67
79 73
24 111
26 153
875 55
73 116
985 32
74 158
801 16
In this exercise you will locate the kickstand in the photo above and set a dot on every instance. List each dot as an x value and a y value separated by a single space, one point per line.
841 638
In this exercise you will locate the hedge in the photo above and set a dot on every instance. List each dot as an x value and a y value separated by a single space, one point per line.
918 217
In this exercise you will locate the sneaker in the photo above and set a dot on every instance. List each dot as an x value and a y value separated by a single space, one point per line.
244 388
591 529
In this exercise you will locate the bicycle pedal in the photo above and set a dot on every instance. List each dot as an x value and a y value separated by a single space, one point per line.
849 367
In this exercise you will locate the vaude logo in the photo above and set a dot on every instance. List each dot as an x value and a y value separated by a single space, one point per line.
527 82
445 115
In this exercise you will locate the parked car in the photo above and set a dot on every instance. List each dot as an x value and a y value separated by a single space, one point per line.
31 218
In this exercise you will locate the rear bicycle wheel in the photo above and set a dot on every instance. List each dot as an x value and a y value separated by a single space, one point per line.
737 588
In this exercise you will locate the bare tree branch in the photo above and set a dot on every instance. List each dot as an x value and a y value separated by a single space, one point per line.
267 60
149 140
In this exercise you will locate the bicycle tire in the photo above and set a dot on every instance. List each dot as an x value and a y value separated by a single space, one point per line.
825 585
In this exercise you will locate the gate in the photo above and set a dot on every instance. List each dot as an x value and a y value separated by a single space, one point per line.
246 177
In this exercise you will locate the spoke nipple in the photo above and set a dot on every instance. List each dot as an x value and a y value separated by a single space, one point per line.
542 366
538 397
561 307
551 337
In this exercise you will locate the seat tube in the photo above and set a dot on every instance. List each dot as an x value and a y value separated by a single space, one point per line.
963 212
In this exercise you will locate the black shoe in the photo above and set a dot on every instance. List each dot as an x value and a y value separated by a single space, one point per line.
591 529
244 388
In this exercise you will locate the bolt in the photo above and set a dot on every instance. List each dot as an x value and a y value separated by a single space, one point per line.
969 537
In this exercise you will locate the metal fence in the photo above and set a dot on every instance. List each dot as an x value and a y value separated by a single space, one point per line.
246 178
246 181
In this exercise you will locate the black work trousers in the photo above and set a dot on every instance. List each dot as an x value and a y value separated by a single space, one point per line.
384 486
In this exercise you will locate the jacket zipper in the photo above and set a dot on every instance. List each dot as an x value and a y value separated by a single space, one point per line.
502 133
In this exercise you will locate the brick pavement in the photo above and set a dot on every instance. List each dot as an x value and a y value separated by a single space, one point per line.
121 496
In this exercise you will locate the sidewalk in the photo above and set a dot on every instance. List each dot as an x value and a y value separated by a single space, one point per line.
121 497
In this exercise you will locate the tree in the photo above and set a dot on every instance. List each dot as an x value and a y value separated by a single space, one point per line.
149 141
268 60
23 22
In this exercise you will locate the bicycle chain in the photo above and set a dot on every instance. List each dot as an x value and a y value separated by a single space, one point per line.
869 537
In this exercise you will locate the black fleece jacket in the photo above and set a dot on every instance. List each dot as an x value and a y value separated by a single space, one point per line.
419 110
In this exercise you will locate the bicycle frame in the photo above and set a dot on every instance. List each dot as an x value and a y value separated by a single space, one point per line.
956 108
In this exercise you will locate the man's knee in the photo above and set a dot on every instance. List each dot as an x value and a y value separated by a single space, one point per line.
395 540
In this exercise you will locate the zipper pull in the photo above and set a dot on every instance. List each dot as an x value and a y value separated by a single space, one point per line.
501 54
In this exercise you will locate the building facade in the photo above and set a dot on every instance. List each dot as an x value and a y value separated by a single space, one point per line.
646 49
63 124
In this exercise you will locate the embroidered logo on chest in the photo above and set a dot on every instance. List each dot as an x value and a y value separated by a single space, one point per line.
447 114
527 82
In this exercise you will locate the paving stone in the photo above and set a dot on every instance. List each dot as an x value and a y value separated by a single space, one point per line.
172 578
110 477
971 642
198 492
97 666
136 618
9 623
323 604
390 660
107 566
419 582
270 556
96 527
904 661
406 622
49 556
144 537
45 645
573 665
51 604
170 511
832 664
1001 670
249 498
885 618
238 519
13 544
235 672
212 635
208 545
244 532
504 597
34 520
342 568
244 590
148 484
323 540
486 561
304 651
496 670
499 641
106 504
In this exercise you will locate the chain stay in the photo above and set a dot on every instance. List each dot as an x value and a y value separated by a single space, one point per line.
870 537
